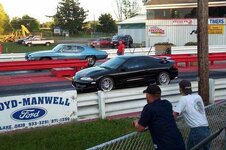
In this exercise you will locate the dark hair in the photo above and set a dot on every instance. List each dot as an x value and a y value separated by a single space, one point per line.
185 86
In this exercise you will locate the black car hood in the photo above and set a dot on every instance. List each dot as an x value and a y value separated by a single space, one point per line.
92 72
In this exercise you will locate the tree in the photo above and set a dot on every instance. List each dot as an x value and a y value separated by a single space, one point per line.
107 24
4 21
70 16
49 24
126 9
31 23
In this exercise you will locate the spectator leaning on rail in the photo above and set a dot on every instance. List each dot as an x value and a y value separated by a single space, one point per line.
193 110
157 115
121 48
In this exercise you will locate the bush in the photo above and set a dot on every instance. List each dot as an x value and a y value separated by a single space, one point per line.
164 43
190 44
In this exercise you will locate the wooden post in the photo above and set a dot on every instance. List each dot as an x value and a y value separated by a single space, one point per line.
203 50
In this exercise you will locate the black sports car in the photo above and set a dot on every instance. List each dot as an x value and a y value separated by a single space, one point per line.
126 70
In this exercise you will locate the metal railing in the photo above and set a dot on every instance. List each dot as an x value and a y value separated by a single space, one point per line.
216 114
143 50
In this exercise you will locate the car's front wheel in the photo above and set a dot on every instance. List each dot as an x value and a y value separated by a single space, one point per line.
106 84
91 60
163 78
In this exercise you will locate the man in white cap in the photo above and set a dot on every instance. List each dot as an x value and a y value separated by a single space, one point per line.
192 108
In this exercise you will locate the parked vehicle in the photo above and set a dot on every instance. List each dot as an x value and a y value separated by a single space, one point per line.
126 39
21 41
37 40
101 42
69 51
126 70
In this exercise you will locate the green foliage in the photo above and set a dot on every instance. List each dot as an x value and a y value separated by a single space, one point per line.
71 136
164 43
4 21
107 24
190 44
70 16
31 23
15 48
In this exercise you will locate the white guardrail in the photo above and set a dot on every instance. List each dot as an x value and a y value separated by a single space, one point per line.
45 109
145 51
125 101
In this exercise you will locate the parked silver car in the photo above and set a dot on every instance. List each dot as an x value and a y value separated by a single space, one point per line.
69 51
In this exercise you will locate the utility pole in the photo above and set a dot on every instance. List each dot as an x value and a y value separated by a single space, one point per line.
203 50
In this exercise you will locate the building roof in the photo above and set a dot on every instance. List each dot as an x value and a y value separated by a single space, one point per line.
164 4
160 2
141 18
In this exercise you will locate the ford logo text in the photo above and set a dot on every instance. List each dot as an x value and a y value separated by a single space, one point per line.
28 113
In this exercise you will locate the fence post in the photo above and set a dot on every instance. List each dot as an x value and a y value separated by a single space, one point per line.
101 103
225 138
211 91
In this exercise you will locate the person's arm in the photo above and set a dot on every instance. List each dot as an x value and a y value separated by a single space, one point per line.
175 114
179 108
138 127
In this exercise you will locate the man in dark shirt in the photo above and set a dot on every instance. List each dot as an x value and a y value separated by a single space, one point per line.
157 116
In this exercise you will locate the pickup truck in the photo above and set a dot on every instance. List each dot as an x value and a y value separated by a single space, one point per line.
37 40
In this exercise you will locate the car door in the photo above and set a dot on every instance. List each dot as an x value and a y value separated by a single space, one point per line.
71 52
135 70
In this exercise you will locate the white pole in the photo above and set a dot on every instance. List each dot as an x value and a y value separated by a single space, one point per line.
101 103
211 91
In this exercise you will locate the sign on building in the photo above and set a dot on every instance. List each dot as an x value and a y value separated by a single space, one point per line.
215 29
36 110
156 31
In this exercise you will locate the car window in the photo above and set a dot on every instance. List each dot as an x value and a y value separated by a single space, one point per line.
79 49
113 63
72 49
138 63
115 37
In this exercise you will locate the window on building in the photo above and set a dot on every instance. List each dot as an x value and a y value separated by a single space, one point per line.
181 13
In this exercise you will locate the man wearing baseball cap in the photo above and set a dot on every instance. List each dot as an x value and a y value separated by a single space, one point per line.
193 110
157 116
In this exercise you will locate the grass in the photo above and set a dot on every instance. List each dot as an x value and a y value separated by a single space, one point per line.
70 136
11 47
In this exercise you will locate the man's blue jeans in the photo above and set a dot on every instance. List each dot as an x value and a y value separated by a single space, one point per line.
196 135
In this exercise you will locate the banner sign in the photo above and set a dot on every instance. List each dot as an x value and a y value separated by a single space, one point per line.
182 22
156 31
216 21
215 29
35 110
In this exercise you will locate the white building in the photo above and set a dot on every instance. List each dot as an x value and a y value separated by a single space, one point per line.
135 27
175 21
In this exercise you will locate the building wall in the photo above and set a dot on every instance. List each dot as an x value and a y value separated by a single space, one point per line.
137 32
178 31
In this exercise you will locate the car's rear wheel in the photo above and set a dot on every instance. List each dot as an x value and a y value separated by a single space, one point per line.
106 84
91 60
163 78
47 44
29 44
